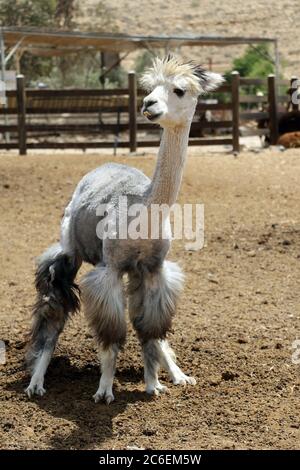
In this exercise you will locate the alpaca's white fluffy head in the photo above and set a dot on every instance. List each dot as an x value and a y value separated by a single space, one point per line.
174 87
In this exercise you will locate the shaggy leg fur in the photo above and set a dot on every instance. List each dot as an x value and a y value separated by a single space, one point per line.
151 355
152 304
56 299
102 293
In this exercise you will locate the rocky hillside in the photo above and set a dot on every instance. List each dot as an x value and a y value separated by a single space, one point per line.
273 18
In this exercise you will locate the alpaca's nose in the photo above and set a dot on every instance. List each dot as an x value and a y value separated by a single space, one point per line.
149 103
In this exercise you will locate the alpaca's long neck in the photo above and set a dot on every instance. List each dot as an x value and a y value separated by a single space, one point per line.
169 167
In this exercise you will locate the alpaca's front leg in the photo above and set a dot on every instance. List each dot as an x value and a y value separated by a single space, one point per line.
151 356
102 294
108 359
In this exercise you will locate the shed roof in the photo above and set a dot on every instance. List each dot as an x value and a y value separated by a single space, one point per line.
56 42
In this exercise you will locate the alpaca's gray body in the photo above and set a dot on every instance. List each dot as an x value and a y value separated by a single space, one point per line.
79 226
103 185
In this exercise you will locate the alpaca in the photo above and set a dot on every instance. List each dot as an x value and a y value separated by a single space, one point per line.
289 140
154 283
288 129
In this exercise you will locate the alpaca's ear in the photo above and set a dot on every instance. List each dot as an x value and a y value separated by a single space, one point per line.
209 81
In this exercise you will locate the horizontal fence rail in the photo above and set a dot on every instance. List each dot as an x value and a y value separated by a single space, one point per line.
113 115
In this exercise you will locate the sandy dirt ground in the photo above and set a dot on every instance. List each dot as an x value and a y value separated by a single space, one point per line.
234 329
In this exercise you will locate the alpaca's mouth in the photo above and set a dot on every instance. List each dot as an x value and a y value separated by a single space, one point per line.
150 116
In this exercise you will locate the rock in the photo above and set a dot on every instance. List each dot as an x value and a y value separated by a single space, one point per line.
134 448
212 278
252 253
214 382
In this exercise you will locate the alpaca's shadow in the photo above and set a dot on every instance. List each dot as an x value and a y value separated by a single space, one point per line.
69 396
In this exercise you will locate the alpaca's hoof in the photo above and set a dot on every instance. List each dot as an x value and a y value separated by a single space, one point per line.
35 389
104 394
156 389
183 379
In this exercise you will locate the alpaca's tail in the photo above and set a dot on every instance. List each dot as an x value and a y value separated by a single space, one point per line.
57 298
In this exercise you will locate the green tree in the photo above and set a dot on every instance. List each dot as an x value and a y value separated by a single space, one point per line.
35 13
255 62
27 12
82 69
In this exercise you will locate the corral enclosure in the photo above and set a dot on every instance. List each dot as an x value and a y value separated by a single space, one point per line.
83 118
110 118
236 322
238 317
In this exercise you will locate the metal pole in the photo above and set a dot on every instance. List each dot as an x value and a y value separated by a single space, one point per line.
21 105
235 92
2 51
277 59
132 111
102 67
273 109
2 55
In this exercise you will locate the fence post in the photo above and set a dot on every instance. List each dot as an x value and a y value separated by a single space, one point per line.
132 111
294 88
21 108
235 95
273 109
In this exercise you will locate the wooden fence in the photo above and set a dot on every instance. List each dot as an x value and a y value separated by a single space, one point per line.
33 115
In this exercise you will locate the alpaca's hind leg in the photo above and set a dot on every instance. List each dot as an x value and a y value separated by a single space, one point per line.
39 368
56 299
102 293
167 360
152 304
158 353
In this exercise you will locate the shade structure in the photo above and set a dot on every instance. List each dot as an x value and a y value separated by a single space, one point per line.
56 42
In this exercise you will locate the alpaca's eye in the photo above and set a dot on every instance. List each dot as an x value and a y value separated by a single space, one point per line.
179 92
